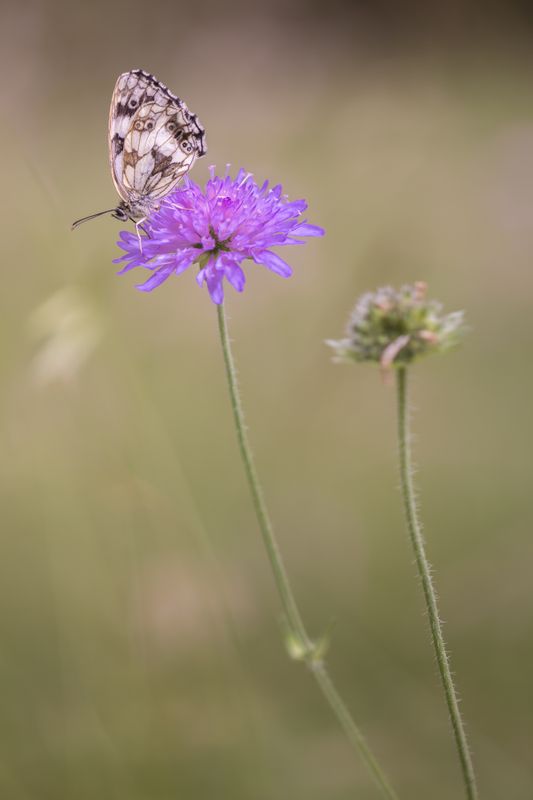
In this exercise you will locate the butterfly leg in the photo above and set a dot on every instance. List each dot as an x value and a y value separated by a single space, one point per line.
138 228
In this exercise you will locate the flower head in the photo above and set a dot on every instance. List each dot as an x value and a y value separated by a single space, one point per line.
395 327
218 228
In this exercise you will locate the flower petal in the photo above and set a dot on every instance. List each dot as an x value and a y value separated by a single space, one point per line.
308 230
184 259
131 265
235 276
200 278
156 279
214 287
273 262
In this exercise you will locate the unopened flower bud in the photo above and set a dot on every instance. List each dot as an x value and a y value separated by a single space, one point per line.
395 327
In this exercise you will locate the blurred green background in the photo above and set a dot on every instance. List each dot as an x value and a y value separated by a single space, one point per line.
140 649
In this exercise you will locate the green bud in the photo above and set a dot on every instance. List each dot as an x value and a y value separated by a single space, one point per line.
395 327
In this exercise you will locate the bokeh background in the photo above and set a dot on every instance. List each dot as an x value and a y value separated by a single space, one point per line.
140 647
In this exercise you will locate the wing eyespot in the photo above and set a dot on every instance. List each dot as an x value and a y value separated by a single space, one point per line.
143 124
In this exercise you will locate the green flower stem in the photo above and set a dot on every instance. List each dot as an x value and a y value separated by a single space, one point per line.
424 570
299 644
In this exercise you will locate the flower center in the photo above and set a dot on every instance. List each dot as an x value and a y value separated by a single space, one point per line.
221 246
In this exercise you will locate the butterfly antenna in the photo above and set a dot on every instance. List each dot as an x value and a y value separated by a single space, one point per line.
91 216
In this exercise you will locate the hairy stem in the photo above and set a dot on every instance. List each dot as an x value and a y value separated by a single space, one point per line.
301 645
424 571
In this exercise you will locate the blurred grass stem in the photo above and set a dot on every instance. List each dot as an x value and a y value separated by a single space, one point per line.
424 570
300 646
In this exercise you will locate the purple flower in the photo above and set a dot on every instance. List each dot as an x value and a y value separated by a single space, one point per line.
217 228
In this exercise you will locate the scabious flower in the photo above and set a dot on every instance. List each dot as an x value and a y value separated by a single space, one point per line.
395 327
217 228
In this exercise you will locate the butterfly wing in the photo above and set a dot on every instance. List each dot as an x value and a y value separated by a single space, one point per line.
159 148
153 138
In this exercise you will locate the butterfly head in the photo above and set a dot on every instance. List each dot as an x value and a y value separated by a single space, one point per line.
121 212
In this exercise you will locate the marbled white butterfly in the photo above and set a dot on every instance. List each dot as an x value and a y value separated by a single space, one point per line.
153 142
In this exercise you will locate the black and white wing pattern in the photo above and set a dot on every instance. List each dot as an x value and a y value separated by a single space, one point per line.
153 140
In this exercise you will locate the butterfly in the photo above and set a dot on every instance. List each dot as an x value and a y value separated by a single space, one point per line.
153 142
